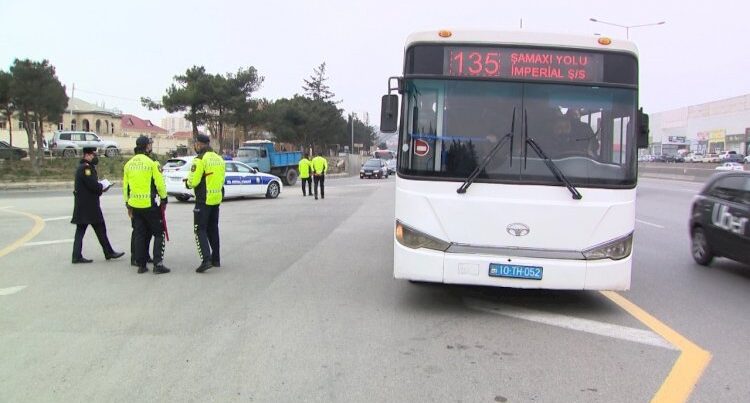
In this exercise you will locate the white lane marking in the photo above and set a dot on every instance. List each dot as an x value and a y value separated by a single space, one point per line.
11 290
569 322
40 243
650 223
67 217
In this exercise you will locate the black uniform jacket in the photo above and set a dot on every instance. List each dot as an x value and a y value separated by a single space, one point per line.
86 209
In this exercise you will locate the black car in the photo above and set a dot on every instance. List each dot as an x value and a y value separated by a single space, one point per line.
374 168
720 219
9 152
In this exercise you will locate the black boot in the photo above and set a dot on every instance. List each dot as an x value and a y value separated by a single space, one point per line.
203 267
142 269
114 255
160 269
81 260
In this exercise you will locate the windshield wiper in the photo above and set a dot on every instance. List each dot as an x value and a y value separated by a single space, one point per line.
475 173
529 142
553 167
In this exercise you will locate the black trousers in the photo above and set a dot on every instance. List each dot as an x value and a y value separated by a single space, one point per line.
206 229
309 186
101 234
147 223
132 243
320 179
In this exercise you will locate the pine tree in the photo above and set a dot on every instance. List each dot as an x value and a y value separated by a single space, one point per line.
316 87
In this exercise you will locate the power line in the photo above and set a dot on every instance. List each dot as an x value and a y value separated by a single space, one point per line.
109 95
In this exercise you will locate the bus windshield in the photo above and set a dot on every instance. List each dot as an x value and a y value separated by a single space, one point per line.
587 130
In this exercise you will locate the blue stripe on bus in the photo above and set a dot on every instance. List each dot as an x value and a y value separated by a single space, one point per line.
446 138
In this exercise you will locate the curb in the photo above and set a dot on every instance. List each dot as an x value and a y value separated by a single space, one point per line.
64 185
36 185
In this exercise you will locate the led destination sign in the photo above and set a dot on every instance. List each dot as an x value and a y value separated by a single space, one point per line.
523 64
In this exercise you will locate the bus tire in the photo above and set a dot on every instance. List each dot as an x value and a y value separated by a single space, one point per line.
182 198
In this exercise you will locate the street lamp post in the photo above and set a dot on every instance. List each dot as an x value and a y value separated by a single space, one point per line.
627 27
352 149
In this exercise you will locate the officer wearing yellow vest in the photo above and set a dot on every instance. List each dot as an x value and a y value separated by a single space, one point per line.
142 182
207 178
305 166
320 167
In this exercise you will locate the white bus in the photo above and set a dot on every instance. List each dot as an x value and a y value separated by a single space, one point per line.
516 159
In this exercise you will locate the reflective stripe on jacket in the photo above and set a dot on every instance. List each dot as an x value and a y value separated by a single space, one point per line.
142 181
207 178
304 168
320 165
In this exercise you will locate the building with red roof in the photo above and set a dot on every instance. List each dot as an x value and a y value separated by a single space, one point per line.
134 126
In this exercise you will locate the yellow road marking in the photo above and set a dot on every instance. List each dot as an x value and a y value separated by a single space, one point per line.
35 230
689 366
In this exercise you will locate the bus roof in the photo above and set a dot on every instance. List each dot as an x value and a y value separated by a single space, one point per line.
523 38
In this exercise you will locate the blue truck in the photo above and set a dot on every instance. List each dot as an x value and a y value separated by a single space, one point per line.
262 155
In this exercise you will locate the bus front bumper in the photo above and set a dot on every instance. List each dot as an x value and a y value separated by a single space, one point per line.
459 268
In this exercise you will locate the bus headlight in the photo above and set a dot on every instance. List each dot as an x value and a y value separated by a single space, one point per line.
414 239
617 249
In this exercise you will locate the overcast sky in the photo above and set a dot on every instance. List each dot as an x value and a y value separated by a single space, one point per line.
116 52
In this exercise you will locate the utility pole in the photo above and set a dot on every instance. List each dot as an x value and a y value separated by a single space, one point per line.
70 105
353 115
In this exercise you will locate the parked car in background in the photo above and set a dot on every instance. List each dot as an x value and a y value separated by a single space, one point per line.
664 158
694 157
240 180
730 166
726 154
739 158
71 144
9 152
711 158
720 219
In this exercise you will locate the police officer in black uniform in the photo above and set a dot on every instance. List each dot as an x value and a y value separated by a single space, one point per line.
86 208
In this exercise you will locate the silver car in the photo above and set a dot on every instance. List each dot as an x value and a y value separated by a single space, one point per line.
71 144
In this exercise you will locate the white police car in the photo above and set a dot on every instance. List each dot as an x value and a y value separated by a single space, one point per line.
240 180
720 219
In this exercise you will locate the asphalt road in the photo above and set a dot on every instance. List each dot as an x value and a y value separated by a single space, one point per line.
304 307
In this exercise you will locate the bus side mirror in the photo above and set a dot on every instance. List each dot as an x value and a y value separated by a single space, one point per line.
643 130
389 114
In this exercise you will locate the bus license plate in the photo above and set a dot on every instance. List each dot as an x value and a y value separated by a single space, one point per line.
516 271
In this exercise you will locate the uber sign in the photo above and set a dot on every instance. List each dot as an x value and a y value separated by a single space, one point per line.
722 218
